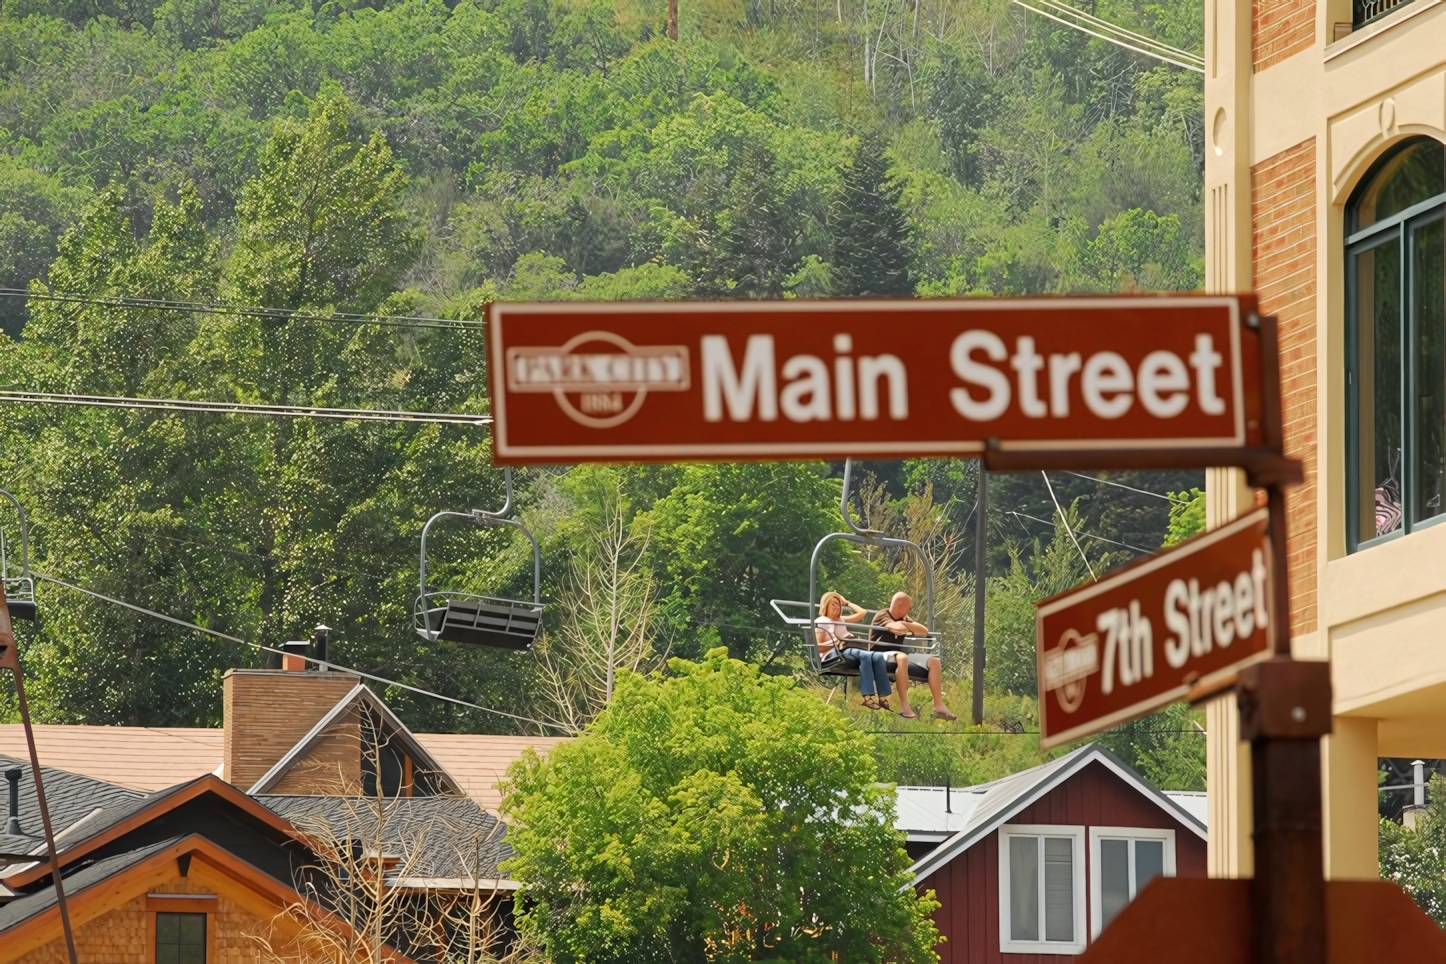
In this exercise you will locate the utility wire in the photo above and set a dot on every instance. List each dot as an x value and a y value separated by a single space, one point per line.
1114 28
1188 65
1130 488
271 649
244 311
1065 520
241 408
1087 535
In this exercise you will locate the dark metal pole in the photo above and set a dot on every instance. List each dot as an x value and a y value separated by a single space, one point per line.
10 657
981 510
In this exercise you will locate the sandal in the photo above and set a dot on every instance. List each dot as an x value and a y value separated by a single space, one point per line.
908 712
944 714
871 702
884 704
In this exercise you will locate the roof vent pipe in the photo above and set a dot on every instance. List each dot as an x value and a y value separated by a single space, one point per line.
319 641
12 826
1418 779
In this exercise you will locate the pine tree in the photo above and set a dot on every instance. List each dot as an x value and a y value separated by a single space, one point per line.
873 241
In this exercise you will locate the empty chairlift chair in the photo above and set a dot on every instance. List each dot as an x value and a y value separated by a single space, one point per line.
802 615
480 620
19 584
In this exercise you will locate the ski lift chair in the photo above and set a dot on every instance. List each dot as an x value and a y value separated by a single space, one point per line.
803 614
480 620
19 589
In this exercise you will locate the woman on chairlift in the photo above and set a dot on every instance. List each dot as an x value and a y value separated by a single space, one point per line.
831 630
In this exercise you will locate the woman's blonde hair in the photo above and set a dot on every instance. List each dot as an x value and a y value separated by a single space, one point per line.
829 597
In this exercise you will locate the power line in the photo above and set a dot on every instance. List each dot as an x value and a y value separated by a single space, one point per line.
1175 57
244 311
1065 520
241 408
271 649
1130 488
1087 535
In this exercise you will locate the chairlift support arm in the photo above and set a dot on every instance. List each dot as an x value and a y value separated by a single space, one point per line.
868 537
24 536
482 517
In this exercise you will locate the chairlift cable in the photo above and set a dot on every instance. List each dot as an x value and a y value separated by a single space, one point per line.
241 408
1065 520
271 649
245 311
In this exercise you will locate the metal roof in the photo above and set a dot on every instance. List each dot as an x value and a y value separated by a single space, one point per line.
996 802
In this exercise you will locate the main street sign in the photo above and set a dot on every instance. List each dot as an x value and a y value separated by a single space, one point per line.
1144 636
1169 380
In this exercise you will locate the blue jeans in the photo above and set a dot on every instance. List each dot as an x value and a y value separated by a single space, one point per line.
873 671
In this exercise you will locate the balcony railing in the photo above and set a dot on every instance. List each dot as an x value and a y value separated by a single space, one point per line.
1364 11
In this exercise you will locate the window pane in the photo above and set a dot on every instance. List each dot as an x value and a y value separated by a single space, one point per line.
1378 366
1024 888
1114 878
1428 290
1149 862
1416 174
180 938
1058 889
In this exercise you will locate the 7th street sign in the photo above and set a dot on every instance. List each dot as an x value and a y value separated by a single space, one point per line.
1143 637
1177 380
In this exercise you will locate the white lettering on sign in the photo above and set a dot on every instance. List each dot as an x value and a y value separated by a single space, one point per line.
858 388
1203 618
1106 384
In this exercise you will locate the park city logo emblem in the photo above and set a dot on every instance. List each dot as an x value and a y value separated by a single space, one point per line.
1068 667
599 379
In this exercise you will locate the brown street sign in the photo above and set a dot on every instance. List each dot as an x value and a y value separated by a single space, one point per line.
1143 637
1167 380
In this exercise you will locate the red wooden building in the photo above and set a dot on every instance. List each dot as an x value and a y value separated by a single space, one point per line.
1044 859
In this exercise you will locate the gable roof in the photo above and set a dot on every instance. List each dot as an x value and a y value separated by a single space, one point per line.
33 920
99 829
148 759
1002 799
360 696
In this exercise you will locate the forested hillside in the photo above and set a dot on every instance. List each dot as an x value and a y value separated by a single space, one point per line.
417 160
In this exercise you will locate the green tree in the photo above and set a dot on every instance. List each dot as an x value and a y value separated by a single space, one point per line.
728 538
718 815
1187 516
873 238
1416 859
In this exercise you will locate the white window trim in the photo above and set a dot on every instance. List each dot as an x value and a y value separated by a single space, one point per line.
1077 834
1120 833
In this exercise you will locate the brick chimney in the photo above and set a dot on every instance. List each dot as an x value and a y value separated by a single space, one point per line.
268 711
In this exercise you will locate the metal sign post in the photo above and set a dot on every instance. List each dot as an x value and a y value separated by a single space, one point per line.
10 659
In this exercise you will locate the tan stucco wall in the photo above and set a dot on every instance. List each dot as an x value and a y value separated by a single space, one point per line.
1379 615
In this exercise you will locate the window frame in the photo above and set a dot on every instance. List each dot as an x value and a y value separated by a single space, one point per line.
1403 225
1076 833
1099 834
204 904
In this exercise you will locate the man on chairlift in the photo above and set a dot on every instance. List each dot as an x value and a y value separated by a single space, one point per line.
892 626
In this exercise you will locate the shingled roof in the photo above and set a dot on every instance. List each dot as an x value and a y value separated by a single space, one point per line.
76 802
442 842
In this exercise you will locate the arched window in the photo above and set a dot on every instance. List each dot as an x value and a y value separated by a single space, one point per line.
1396 345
